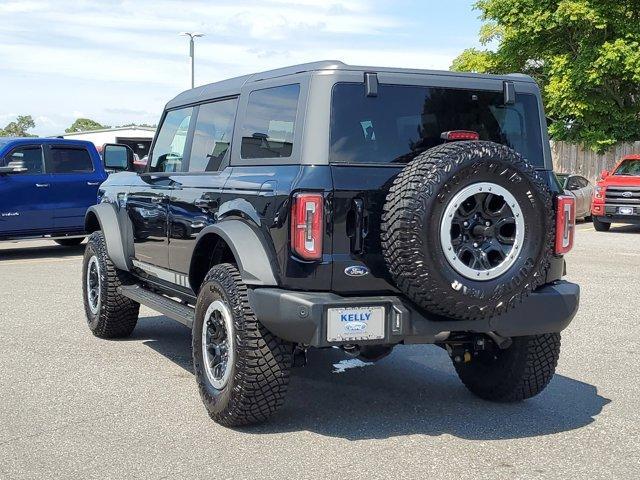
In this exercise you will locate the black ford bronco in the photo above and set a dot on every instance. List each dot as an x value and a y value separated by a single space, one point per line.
326 205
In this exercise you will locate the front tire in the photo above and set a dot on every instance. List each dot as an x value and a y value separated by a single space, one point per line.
109 314
241 368
519 372
601 226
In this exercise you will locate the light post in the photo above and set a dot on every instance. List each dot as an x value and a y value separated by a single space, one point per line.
191 36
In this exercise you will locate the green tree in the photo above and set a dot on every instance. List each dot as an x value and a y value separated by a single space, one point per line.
84 125
19 127
585 55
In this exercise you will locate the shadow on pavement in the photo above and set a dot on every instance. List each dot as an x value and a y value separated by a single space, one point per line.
22 251
413 391
620 228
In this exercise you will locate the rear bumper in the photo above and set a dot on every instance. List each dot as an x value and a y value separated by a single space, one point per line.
301 316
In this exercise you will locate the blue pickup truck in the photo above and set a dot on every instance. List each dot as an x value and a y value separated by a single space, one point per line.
46 187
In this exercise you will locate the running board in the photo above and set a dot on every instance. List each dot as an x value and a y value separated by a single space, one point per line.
164 305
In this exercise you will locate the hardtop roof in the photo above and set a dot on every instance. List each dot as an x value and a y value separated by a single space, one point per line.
233 86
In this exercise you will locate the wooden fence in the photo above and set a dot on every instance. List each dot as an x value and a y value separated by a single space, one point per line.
570 158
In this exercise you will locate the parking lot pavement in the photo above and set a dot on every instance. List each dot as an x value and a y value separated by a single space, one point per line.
74 406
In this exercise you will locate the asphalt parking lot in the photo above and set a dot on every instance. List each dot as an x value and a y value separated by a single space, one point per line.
74 406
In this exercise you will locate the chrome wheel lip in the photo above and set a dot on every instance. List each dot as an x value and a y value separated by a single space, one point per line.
94 285
212 370
447 222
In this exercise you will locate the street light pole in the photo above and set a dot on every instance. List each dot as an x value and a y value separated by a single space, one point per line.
191 36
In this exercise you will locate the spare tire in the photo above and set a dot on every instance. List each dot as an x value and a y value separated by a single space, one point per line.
468 230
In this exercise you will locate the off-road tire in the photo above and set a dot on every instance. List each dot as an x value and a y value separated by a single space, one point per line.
259 377
521 371
411 222
69 242
117 315
601 226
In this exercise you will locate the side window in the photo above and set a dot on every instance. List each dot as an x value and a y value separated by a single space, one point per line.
269 124
69 160
170 145
583 182
30 157
212 135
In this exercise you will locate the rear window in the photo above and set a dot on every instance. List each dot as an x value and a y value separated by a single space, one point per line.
403 121
70 160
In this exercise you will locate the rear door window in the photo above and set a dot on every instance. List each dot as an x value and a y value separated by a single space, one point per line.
212 135
171 143
403 121
269 124
69 160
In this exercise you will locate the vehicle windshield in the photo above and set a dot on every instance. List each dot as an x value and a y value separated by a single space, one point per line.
628 167
403 121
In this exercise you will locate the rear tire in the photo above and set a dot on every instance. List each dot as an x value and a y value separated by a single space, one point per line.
601 226
521 371
109 314
242 374
69 242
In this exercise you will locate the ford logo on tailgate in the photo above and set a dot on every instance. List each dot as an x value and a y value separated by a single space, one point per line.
356 271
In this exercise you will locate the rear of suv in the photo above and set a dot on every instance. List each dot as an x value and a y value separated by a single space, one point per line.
327 205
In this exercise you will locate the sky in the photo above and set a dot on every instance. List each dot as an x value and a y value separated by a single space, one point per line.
119 62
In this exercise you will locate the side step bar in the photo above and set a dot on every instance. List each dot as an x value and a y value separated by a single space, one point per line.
164 305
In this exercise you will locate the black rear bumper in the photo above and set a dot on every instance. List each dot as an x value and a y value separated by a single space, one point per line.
301 316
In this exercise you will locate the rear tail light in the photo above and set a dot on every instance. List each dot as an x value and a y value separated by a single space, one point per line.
565 224
454 135
306 225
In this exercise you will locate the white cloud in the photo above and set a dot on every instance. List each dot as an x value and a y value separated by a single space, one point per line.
120 60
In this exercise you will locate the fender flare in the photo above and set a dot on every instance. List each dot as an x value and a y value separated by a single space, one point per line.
248 249
117 233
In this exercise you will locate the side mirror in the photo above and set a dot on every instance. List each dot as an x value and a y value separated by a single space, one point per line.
604 174
117 157
14 166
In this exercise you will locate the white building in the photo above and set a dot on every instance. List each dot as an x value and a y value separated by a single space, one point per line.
138 138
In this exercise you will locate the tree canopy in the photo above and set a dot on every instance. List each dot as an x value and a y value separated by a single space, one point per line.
585 55
19 127
84 125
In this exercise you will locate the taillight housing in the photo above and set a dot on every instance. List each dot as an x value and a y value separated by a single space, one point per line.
307 213
565 223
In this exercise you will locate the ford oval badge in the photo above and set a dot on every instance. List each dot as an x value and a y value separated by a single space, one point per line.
356 327
356 271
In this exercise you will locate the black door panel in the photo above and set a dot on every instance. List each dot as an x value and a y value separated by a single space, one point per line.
147 207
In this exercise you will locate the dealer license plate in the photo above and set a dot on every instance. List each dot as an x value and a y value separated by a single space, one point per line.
625 210
356 323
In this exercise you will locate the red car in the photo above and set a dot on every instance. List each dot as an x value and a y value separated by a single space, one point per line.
617 196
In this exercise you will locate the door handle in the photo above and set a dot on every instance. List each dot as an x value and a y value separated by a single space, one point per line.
357 240
42 185
93 184
206 203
